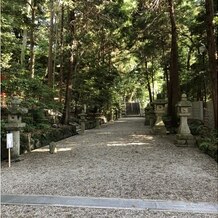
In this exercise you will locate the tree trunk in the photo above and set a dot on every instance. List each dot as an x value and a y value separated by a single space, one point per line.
152 79
72 64
24 40
166 74
174 88
212 55
51 41
62 53
32 39
148 82
23 47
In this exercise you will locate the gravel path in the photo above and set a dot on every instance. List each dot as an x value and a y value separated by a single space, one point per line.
119 160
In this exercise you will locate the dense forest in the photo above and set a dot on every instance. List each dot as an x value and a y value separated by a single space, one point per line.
65 54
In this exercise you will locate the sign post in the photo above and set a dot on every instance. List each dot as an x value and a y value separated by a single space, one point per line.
9 146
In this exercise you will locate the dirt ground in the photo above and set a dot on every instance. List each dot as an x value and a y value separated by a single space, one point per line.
119 160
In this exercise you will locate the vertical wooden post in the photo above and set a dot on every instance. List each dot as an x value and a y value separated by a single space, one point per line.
9 157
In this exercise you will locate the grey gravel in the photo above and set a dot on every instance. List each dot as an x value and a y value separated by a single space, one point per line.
64 212
120 160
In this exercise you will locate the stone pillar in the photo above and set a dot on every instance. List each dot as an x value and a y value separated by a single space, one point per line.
184 136
159 110
82 122
15 151
152 117
112 115
147 122
97 119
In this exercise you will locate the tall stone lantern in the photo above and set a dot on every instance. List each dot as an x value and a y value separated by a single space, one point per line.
159 110
184 136
15 124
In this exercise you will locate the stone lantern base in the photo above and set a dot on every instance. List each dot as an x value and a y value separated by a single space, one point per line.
159 130
184 140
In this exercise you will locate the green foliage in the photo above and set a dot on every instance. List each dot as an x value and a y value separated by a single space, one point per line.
207 141
112 42
208 138
3 130
43 126
196 126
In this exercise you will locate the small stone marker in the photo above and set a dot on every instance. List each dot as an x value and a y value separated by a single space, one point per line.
52 148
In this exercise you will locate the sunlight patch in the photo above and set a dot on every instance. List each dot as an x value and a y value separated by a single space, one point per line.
47 150
143 136
126 144
103 133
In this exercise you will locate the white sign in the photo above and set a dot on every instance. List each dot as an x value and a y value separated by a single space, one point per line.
9 140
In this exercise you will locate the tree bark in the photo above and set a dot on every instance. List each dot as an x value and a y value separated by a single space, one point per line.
24 40
51 41
212 52
72 65
148 82
174 88
32 39
23 47
62 53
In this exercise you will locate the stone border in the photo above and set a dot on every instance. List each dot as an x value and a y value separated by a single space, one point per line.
112 203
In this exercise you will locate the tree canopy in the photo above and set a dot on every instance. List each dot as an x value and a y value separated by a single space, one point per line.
64 54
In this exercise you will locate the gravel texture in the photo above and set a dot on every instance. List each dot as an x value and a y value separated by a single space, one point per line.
64 212
119 160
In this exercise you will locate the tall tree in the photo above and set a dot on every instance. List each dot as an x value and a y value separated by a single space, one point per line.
212 52
32 37
61 52
51 41
25 38
71 68
174 88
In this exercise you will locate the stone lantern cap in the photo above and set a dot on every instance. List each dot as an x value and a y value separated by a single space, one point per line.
14 115
147 108
15 107
184 102
160 100
82 114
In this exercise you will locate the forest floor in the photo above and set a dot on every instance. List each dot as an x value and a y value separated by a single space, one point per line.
121 160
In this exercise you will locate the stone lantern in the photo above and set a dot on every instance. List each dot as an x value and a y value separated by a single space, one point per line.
159 110
152 116
15 124
83 122
147 120
184 136
97 119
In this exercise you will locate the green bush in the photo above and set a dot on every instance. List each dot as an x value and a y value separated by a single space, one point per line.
195 126
208 142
